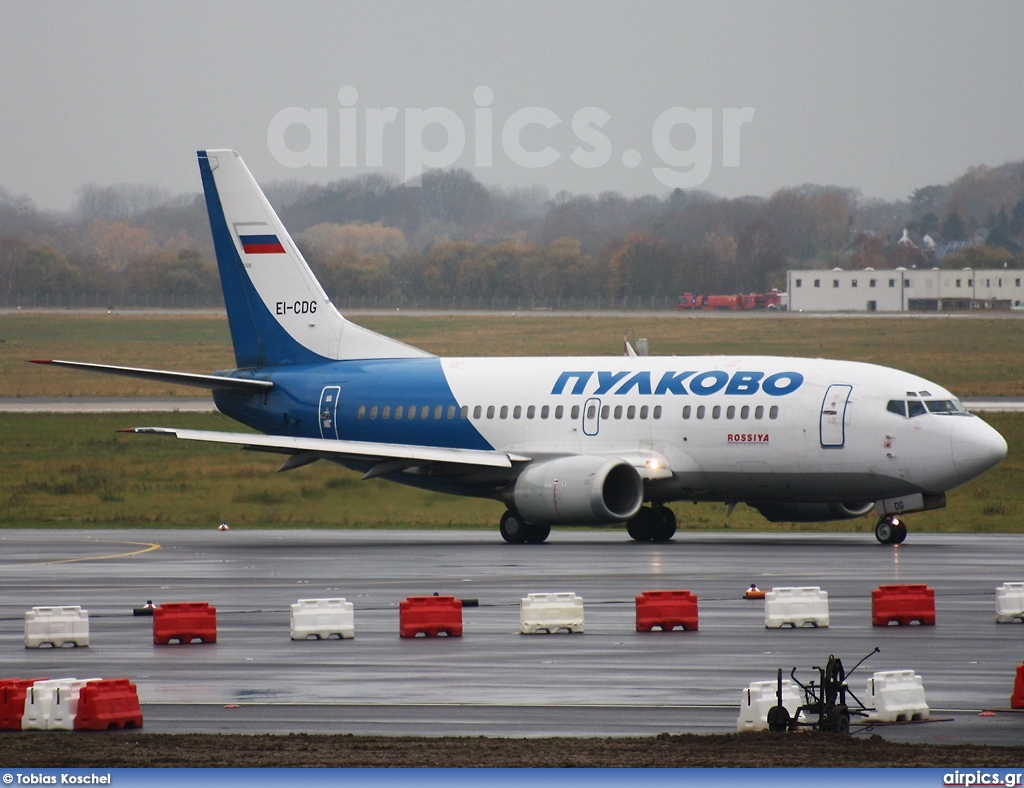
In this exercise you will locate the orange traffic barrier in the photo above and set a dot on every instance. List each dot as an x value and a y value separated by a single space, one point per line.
902 604
184 622
108 703
666 610
430 616
754 592
12 702
1017 699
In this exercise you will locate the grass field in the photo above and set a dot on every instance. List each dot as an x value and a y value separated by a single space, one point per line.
76 470
970 356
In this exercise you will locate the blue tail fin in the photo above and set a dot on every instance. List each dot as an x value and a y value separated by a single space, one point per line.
277 311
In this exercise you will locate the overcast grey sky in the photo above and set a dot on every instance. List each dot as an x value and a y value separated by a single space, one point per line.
883 97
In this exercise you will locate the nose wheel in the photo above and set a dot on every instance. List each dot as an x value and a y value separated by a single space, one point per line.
890 530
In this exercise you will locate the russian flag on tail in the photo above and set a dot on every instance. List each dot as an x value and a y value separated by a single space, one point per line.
261 244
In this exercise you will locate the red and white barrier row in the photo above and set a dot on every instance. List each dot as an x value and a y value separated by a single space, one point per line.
68 704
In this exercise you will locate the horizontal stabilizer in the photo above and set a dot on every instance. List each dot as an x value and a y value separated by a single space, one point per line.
211 382
344 450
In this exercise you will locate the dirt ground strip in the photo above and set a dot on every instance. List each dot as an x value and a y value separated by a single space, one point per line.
77 749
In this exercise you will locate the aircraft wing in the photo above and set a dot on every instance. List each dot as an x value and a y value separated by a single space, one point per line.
211 382
388 457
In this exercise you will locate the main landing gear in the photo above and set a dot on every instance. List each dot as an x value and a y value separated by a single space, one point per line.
652 524
515 530
890 530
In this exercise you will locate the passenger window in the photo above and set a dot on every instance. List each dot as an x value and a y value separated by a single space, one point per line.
410 412
716 412
773 413
591 411
631 412
464 412
490 411
574 413
531 411
386 413
915 408
759 412
517 411
373 412
618 411
605 410
503 413
730 412
399 410
361 413
700 411
897 406
451 412
643 411
544 411
686 411
425 411
745 412
477 411
438 410
657 411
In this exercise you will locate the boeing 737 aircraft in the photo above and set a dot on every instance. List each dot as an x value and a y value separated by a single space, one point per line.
563 441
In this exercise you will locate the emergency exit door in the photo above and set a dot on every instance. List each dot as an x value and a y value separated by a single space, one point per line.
833 416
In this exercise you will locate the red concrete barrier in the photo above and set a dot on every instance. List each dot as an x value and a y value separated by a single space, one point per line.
1017 699
108 703
430 616
184 622
12 702
666 609
902 604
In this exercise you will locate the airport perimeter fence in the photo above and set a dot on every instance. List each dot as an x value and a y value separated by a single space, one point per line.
386 303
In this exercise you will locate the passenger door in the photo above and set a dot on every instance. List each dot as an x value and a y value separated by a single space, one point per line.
329 411
832 426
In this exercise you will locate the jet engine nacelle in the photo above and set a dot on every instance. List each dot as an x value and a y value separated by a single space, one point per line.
786 511
578 491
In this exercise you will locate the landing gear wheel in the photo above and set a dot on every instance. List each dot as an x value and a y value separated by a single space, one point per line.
664 524
642 527
778 719
890 530
513 529
536 534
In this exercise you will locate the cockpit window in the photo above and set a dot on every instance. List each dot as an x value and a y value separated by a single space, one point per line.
941 406
915 408
897 406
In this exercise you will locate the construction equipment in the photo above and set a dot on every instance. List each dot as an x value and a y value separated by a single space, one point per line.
826 706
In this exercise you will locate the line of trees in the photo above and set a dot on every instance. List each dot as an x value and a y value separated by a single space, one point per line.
454 238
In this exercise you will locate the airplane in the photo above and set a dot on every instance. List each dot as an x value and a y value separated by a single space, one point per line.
562 441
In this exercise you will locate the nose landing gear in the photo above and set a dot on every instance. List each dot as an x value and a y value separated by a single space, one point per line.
890 530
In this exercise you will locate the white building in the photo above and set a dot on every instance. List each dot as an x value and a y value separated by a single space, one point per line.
904 290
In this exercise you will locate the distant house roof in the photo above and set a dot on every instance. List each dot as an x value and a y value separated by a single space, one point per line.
949 247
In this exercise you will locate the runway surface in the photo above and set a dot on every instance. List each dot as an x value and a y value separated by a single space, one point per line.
610 680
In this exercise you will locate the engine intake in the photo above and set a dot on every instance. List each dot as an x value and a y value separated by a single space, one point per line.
578 490
789 511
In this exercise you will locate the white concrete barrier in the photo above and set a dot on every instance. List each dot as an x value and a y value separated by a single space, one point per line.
550 613
322 618
796 607
896 696
1009 603
760 697
52 704
56 626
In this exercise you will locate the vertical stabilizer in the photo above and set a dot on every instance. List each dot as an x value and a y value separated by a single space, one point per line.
277 310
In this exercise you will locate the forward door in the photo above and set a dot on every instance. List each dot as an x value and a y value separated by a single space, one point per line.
833 416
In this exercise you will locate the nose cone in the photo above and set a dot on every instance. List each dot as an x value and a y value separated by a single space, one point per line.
976 447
